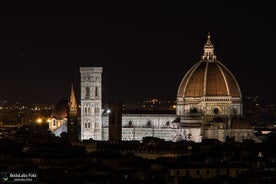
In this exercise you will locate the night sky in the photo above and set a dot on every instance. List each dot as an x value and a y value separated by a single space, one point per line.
145 49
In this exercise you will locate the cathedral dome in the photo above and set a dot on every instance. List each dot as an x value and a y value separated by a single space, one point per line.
240 123
208 77
60 110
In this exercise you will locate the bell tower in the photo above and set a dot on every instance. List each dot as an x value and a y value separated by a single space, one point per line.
91 102
73 119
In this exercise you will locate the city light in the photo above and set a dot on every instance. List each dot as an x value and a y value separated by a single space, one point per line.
39 120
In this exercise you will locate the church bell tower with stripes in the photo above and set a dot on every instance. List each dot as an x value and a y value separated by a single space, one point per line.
91 102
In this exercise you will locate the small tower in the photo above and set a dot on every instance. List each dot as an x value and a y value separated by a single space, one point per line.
73 119
91 102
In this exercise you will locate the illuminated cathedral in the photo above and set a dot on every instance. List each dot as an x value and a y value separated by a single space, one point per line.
208 100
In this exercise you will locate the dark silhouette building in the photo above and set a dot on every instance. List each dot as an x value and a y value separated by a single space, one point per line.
115 120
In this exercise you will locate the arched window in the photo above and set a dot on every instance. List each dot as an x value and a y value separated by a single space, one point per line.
54 122
148 124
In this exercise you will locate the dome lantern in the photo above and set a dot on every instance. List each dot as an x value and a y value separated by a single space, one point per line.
208 50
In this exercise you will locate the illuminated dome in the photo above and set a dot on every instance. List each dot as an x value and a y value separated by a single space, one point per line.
240 123
208 77
60 109
210 88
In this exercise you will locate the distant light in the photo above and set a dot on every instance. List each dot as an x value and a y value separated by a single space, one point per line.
39 120
108 111
174 106
48 120
265 132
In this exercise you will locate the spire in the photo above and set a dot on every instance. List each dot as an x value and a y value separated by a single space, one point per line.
73 106
209 50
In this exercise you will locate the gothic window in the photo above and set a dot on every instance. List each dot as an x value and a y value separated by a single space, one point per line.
96 91
96 110
54 122
87 109
235 111
87 92
88 125
85 125
148 123
167 123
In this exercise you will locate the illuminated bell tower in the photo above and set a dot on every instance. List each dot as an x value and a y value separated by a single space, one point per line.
91 102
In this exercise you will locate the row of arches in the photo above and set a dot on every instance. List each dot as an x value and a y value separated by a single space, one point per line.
147 124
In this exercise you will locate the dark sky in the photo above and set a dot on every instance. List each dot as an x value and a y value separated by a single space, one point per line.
145 49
